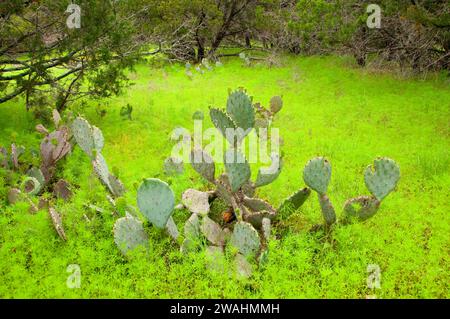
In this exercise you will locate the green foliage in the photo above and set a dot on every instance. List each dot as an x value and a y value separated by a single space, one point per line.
359 116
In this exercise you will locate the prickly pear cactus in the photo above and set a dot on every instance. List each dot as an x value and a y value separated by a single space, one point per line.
317 174
382 177
296 200
276 103
89 138
129 233
327 208
240 109
268 175
362 207
212 231
246 239
223 122
203 164
156 201
237 169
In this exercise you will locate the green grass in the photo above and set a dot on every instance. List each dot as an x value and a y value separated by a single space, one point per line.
349 115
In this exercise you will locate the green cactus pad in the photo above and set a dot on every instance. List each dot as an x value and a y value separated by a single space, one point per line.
212 231
276 103
257 205
317 174
328 212
172 228
101 170
224 188
240 109
245 238
296 200
62 190
243 267
129 233
203 164
196 201
222 121
266 226
82 132
382 177
237 169
88 137
36 173
256 219
32 186
116 186
192 227
264 177
248 188
362 207
156 201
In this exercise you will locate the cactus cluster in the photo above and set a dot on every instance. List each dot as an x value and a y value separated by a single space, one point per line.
248 225
37 181
91 141
380 179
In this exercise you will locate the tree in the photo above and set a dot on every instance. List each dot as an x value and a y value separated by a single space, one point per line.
46 61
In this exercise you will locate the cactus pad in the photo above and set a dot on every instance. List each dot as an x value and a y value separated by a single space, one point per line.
264 177
129 233
172 228
257 205
362 207
266 228
192 227
276 103
295 200
156 201
237 169
212 231
245 238
203 164
31 185
328 212
382 177
89 138
240 109
222 122
317 174
243 267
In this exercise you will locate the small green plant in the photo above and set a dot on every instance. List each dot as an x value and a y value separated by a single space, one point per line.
125 112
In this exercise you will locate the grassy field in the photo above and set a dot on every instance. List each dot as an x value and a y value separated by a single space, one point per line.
349 115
